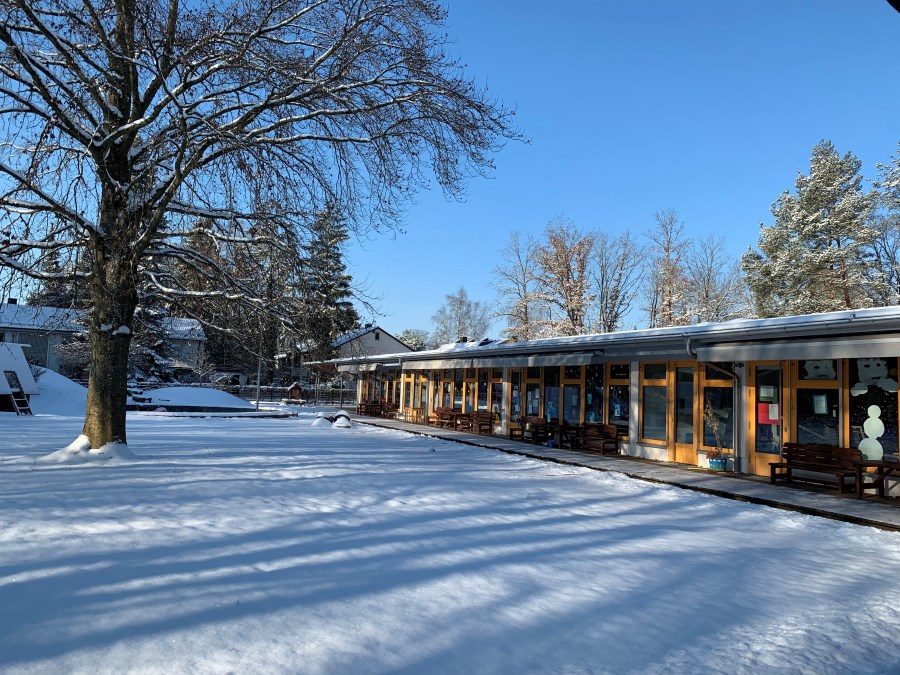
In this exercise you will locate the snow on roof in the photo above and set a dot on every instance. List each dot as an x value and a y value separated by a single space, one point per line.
179 328
28 317
354 334
13 358
834 323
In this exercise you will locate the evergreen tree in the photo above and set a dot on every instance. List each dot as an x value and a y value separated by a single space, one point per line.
326 307
814 257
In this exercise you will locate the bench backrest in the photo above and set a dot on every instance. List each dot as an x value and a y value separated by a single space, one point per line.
597 430
821 455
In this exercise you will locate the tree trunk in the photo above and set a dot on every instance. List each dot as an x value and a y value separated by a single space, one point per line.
115 298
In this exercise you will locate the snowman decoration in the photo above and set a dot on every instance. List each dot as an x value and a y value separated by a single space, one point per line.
873 427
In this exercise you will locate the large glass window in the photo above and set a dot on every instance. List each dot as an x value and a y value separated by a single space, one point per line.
446 394
572 403
515 396
482 389
470 396
593 394
497 400
873 382
684 405
768 409
619 404
551 394
457 389
720 403
532 399
817 416
653 413
654 399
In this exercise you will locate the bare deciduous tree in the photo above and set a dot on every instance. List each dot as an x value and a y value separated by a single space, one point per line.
715 285
618 278
460 317
123 124
564 260
665 277
517 283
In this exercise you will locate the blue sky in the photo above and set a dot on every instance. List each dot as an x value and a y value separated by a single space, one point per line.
709 107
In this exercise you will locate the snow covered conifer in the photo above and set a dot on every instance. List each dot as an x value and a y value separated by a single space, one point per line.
814 257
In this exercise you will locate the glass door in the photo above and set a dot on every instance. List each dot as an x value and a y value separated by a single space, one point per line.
767 416
685 417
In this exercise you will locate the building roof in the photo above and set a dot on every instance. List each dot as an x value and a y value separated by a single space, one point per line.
28 317
737 339
53 319
179 328
359 332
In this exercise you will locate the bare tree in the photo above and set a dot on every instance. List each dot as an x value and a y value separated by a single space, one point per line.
665 280
460 317
124 123
885 271
517 283
618 278
715 285
564 260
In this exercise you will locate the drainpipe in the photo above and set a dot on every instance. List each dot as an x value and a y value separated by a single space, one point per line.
735 399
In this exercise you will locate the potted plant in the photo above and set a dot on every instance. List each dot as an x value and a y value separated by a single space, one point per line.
716 458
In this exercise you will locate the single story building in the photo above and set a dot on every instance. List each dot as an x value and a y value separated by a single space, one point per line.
756 383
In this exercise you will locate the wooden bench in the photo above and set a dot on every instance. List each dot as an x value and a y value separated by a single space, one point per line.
537 428
443 417
483 422
602 438
833 465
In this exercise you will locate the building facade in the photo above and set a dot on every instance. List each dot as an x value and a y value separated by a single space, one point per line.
674 393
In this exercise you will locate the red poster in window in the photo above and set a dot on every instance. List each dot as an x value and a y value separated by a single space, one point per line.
768 413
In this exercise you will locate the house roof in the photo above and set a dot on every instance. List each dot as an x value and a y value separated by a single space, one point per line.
179 328
359 332
28 317
53 319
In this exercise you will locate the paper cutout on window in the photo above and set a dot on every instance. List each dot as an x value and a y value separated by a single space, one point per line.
820 404
873 372
873 428
768 413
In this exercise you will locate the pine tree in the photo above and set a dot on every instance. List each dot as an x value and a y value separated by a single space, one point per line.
326 287
814 257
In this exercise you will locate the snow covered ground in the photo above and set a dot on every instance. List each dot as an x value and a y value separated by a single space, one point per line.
270 545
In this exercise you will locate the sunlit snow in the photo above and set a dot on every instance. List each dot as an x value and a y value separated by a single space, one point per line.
270 545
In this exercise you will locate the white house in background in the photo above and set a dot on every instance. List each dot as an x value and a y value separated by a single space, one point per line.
39 329
42 329
17 384
186 339
368 341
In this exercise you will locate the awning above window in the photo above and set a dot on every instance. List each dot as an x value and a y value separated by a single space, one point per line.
847 348
522 361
